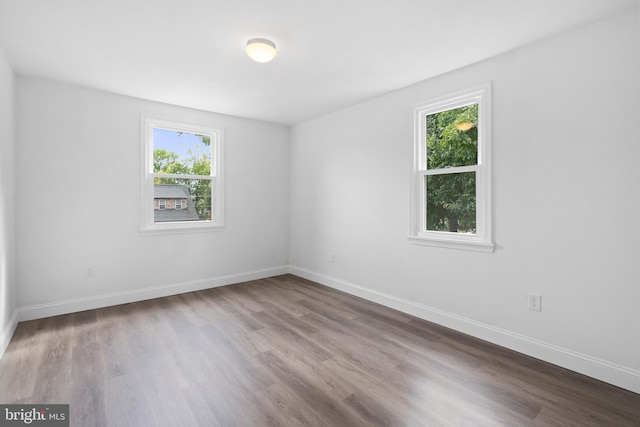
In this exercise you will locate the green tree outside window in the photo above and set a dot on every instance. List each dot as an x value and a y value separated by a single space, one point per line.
452 141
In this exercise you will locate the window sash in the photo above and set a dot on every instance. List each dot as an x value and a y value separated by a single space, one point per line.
181 176
455 169
480 203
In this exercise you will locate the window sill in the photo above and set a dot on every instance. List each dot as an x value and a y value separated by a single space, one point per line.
466 245
180 228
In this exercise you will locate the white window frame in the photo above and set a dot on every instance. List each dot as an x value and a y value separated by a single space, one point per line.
162 204
148 224
482 240
176 205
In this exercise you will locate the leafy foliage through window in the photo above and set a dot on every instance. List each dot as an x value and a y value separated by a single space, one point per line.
452 140
185 154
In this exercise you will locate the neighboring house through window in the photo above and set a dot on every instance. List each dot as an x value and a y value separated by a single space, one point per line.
182 188
451 185
171 199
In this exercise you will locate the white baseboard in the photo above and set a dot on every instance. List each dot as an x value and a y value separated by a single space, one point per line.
7 332
611 373
88 303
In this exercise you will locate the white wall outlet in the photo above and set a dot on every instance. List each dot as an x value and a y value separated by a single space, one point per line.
534 301
332 257
90 271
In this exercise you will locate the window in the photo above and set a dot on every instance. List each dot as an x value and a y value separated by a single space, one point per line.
182 186
451 184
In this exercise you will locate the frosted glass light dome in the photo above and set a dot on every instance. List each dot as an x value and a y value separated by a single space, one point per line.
261 50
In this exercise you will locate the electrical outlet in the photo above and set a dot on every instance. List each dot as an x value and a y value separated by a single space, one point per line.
90 271
534 301
332 257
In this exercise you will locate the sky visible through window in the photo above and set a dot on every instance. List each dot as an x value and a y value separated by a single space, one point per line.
173 141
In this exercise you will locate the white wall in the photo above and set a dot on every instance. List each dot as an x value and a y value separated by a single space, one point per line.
7 217
566 203
78 192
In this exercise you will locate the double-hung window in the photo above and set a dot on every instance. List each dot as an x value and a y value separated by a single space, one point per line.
451 184
182 185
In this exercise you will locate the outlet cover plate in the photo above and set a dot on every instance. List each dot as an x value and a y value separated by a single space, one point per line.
534 301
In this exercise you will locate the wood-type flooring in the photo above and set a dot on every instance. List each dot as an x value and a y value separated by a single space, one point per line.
285 351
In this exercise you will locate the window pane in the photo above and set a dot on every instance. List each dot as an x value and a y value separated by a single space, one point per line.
451 202
185 199
452 137
181 152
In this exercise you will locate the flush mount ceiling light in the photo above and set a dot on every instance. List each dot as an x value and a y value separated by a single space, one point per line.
261 50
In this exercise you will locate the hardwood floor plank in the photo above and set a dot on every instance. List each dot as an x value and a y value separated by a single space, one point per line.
377 311
163 386
88 384
126 403
17 369
327 311
500 405
363 352
313 391
285 351
373 413
283 336
265 293
219 308
284 408
54 363
317 374
273 315
372 392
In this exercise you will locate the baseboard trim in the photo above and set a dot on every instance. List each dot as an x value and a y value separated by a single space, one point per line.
611 373
89 303
7 332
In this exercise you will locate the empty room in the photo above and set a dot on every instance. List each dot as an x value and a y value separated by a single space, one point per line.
286 213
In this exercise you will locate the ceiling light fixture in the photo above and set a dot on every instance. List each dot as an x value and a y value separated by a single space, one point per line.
261 50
